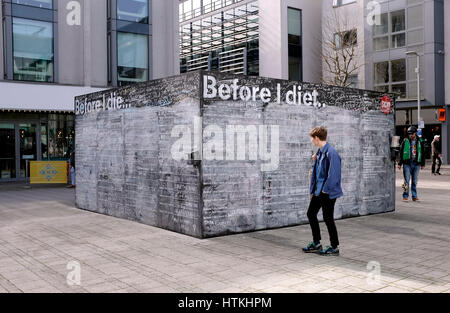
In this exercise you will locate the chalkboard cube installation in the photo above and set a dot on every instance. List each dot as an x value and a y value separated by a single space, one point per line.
209 154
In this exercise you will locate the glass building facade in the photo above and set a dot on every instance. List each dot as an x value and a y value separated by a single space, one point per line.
226 40
129 38
295 44
32 50
45 4
190 9
133 10
132 58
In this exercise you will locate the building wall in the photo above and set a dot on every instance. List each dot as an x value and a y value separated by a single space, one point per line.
445 126
270 39
1 42
166 48
71 44
95 42
273 32
353 17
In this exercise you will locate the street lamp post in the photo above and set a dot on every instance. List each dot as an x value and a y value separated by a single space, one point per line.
418 84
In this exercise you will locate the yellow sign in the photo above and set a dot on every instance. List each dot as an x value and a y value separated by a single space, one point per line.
50 172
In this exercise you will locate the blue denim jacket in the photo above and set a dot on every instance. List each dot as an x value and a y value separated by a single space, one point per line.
330 170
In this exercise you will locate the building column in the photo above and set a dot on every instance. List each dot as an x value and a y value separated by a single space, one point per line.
445 138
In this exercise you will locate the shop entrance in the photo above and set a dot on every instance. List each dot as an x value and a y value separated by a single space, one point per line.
33 137
19 142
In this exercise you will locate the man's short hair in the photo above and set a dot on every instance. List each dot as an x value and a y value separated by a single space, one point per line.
320 132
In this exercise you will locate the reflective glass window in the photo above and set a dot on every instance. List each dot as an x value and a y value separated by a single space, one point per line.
132 58
32 50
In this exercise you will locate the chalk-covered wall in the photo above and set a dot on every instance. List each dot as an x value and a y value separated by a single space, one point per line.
128 154
239 197
124 166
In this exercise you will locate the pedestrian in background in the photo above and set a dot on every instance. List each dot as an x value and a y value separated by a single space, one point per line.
325 188
436 154
72 169
412 159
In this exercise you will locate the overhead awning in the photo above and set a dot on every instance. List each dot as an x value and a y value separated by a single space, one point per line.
18 96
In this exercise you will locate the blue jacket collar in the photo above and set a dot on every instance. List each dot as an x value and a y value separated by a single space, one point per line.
325 148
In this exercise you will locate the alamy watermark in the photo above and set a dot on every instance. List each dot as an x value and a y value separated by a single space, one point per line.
73 278
228 143
374 275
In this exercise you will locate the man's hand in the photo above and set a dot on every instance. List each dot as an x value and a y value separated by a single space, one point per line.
314 157
399 167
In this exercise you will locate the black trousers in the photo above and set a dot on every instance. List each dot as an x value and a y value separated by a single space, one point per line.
439 163
323 201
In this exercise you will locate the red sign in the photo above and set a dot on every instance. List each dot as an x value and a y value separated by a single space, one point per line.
442 115
386 105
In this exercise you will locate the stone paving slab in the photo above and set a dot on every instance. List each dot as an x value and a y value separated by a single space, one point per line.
41 233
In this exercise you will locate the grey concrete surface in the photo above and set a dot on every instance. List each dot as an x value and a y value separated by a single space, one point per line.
41 232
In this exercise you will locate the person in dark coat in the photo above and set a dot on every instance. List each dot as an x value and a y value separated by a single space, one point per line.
412 158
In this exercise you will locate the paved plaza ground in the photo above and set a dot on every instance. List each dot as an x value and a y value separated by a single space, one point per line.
42 234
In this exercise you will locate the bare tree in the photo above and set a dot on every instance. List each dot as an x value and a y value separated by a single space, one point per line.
339 50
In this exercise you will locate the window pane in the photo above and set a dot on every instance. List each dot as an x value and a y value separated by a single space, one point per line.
337 41
415 17
380 43
398 41
207 6
46 4
398 21
352 81
196 4
401 89
295 44
415 36
133 10
383 27
33 50
381 72
398 70
382 88
132 57
60 130
294 22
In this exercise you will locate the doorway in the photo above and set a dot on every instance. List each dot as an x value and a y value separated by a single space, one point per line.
19 142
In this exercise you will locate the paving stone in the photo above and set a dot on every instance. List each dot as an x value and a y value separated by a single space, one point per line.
122 256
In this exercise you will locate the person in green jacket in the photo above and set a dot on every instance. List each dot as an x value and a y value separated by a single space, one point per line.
412 159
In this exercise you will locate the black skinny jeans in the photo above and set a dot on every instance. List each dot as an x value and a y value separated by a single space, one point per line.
323 201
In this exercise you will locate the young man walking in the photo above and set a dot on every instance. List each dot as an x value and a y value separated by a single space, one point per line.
325 188
436 155
412 159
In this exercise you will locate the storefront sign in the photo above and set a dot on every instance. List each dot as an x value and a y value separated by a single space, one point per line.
48 172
